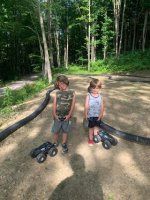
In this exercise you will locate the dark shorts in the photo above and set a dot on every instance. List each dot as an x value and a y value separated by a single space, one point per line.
93 121
61 126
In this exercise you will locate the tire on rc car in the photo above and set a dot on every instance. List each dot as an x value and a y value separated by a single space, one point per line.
106 144
114 142
33 153
52 152
41 158
96 138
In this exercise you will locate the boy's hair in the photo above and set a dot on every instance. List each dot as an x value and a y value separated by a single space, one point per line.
63 79
94 83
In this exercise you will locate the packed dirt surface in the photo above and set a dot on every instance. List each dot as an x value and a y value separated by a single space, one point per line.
86 173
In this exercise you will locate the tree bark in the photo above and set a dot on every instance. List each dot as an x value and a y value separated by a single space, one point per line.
122 25
47 68
57 47
50 33
134 26
89 37
117 5
66 51
93 49
144 30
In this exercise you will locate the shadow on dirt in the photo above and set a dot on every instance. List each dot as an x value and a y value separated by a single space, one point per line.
75 187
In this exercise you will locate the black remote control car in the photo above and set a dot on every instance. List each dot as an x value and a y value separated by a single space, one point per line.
106 139
62 118
40 153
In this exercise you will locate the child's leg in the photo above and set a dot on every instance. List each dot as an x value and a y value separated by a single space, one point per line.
56 137
96 129
56 130
64 138
90 142
90 133
64 143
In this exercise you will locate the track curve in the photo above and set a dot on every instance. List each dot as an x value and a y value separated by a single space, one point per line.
126 136
6 132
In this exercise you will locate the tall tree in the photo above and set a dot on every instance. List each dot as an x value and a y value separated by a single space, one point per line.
122 25
89 35
107 34
117 7
49 21
47 67
146 7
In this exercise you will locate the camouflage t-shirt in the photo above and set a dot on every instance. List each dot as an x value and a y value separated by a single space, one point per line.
63 102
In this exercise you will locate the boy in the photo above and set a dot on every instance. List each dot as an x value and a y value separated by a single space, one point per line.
63 106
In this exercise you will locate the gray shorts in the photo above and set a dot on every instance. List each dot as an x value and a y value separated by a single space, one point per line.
61 126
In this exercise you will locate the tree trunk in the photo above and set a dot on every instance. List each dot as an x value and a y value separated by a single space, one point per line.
57 47
93 49
50 33
125 37
134 26
89 37
144 30
105 52
66 56
120 43
117 5
134 32
47 69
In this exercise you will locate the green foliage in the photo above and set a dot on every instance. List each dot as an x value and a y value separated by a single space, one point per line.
8 97
129 62
107 33
110 198
6 111
6 102
15 97
1 83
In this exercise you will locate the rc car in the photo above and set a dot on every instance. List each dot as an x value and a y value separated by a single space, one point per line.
106 139
40 153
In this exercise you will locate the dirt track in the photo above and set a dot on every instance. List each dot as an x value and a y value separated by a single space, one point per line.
121 173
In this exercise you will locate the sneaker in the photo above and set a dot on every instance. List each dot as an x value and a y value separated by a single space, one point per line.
64 148
56 144
90 142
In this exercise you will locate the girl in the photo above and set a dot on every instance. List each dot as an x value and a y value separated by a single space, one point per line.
94 108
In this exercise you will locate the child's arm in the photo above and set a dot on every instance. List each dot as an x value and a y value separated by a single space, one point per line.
54 108
72 107
102 109
86 105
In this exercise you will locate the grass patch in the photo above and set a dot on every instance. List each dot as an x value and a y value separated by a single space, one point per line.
129 62
14 97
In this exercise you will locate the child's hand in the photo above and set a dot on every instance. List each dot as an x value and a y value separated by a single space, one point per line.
56 117
86 117
99 119
67 117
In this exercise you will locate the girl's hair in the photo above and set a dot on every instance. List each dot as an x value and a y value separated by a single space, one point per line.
94 83
62 79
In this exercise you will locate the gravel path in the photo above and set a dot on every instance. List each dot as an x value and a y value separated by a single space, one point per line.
19 84
86 173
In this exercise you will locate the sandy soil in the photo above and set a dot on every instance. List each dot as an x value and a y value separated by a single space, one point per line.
121 173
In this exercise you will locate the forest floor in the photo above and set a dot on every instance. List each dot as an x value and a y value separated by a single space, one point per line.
86 173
